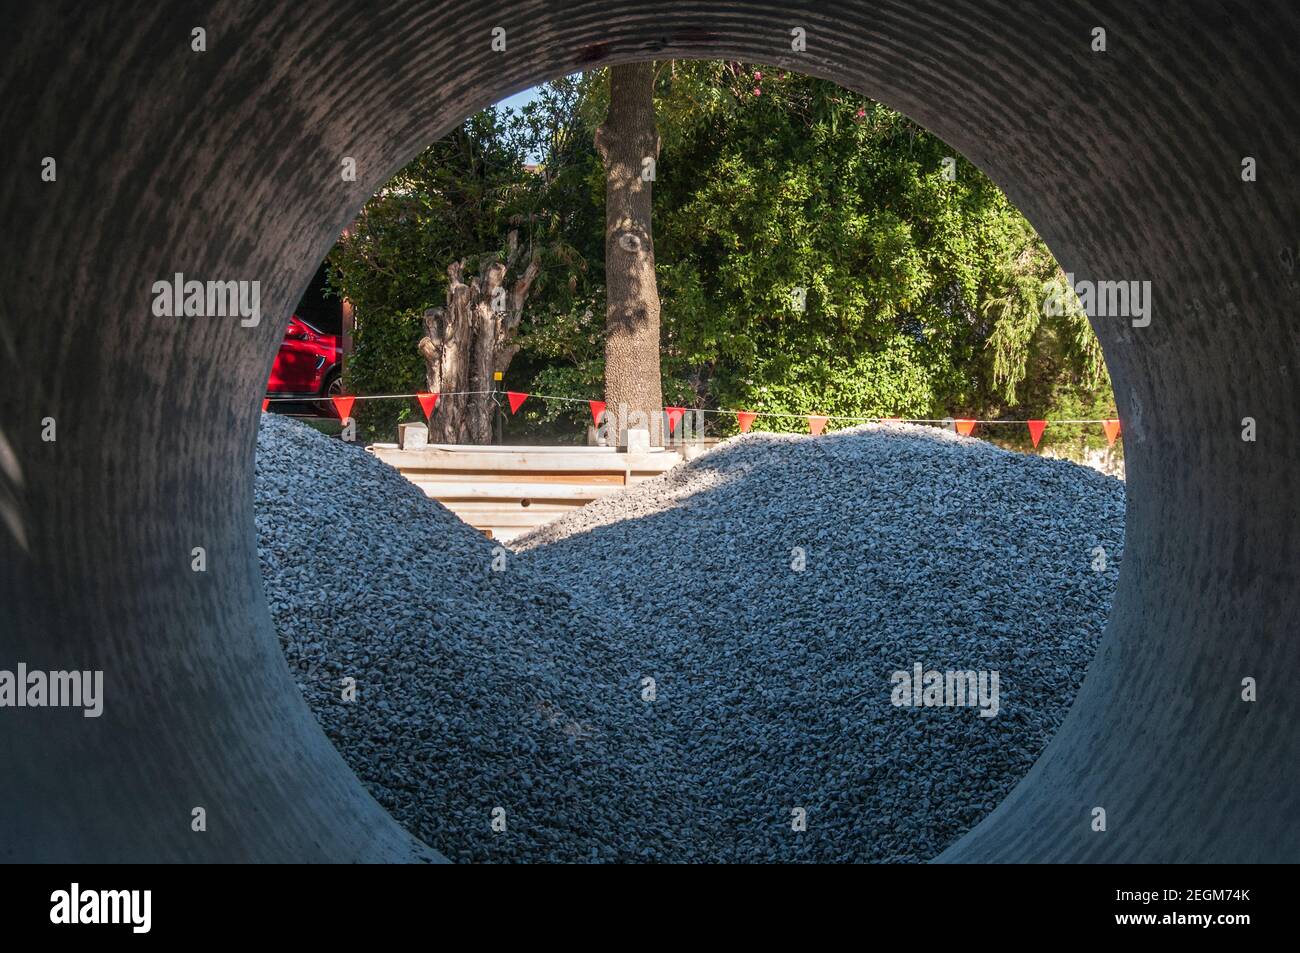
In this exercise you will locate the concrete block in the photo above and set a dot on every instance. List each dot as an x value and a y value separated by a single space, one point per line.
412 436
638 441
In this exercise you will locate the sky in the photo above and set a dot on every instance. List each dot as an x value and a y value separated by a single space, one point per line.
517 102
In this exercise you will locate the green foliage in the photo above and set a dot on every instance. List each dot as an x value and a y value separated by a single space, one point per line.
461 198
922 293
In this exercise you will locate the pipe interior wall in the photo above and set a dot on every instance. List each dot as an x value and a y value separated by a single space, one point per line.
225 165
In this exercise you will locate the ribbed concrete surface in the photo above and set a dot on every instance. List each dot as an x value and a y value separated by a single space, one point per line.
225 165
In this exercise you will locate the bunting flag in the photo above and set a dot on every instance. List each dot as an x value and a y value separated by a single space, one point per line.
1112 431
344 406
427 402
744 418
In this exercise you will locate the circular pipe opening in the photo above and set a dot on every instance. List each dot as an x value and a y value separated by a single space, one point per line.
224 165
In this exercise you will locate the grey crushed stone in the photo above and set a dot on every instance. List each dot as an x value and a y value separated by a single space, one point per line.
523 689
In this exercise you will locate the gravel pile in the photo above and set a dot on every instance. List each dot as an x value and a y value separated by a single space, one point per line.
774 683
475 689
770 589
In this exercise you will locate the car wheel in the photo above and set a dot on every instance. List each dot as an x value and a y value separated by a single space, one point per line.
333 387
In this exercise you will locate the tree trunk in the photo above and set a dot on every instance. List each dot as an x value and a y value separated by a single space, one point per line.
469 339
626 140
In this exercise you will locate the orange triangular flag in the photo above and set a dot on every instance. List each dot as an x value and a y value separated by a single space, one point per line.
266 402
1112 431
515 399
674 415
427 402
891 420
344 406
964 427
1036 430
745 420
816 423
597 408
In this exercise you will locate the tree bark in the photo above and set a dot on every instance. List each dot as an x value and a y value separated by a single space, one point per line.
469 339
626 139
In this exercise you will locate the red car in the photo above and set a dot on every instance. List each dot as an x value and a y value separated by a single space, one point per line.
309 365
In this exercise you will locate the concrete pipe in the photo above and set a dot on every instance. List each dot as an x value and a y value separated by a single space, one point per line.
224 164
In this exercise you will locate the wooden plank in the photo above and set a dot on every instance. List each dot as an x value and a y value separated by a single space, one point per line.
513 476
495 520
456 490
513 506
607 462
487 486
508 448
